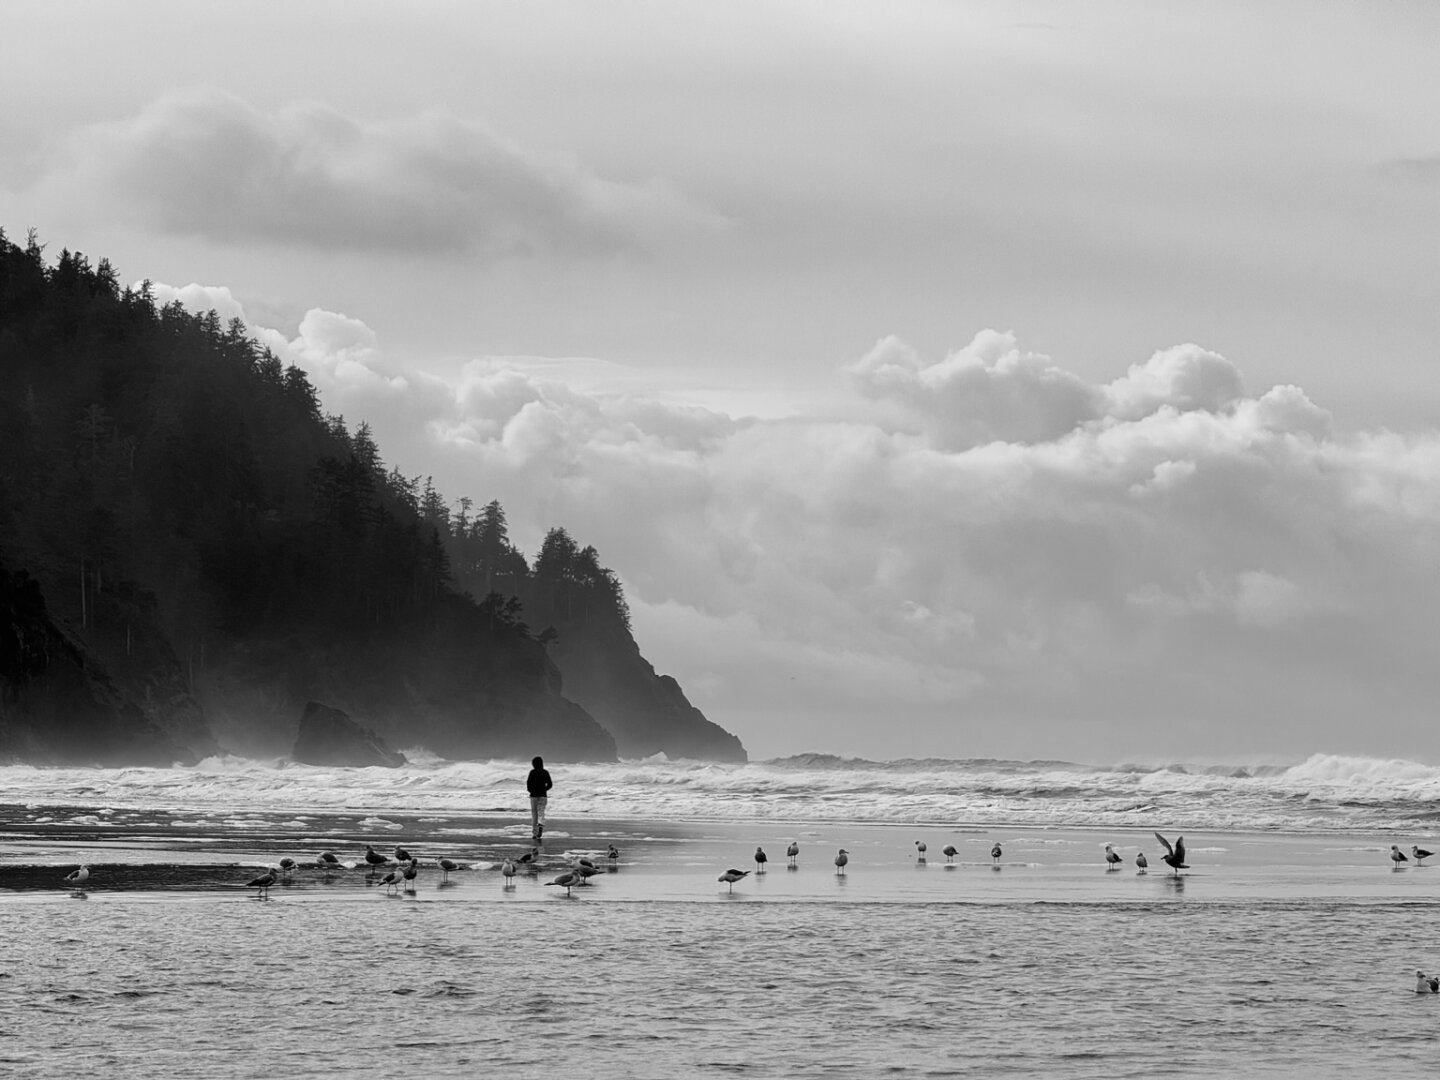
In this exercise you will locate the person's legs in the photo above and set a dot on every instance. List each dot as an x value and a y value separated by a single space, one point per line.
537 817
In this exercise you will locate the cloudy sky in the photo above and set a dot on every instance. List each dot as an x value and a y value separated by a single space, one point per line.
941 379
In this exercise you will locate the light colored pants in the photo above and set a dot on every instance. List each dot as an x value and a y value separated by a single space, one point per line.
537 814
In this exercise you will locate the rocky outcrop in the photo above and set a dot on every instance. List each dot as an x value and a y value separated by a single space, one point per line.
647 713
60 705
329 737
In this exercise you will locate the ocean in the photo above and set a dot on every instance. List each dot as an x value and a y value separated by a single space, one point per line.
1288 947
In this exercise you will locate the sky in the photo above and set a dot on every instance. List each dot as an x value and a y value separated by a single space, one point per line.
1033 380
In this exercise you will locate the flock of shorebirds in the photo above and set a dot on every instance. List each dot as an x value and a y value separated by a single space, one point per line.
403 870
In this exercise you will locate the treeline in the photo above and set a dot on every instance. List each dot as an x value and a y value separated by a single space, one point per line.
159 464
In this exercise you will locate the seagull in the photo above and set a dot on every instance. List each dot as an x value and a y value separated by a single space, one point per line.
78 877
1173 857
920 850
392 879
613 854
1397 856
450 864
760 859
507 868
567 880
840 860
1141 861
1420 854
262 884
1424 985
731 876
401 855
950 852
374 858
995 853
287 867
529 857
326 860
1112 857
410 871
586 870
793 852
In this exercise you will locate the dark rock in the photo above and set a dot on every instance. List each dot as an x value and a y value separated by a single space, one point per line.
329 737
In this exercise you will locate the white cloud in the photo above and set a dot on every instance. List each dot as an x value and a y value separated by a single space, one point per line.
203 162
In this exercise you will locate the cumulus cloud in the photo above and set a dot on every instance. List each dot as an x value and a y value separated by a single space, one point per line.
204 162
982 555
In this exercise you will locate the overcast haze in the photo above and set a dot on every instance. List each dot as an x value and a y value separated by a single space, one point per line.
940 379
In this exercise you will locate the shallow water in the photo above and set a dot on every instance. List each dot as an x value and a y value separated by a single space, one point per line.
1274 955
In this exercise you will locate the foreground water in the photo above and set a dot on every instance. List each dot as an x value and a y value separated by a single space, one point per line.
1287 949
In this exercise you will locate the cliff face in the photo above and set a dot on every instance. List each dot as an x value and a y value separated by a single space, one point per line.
647 713
60 704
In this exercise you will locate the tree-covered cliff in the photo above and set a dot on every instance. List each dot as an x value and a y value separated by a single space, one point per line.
191 550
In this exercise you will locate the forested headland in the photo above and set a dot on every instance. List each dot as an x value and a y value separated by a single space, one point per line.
191 550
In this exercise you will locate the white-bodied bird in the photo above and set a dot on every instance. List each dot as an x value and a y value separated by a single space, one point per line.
78 877
792 852
731 876
1396 855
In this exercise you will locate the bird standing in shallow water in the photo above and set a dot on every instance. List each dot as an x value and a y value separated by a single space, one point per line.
78 877
613 854
287 867
410 872
1112 857
374 858
262 884
760 860
449 864
1174 857
792 852
1397 856
731 876
1420 855
401 855
392 879
995 853
920 850
1141 861
567 880
841 860
327 860
950 852
507 870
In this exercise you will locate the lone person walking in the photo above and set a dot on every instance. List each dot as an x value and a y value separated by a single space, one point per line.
538 784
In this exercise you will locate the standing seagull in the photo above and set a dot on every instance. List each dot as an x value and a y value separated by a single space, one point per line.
793 852
78 878
920 850
760 860
409 873
950 852
262 884
507 869
528 859
731 876
840 861
326 860
401 855
1420 854
287 867
995 853
1397 856
391 880
613 854
1141 861
567 880
374 858
1112 857
450 864
1173 857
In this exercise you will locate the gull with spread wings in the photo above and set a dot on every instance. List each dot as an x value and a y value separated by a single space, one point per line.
1174 857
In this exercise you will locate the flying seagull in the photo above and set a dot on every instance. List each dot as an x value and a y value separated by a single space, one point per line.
1174 857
